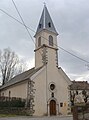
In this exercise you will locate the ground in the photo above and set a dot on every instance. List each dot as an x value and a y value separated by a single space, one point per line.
38 118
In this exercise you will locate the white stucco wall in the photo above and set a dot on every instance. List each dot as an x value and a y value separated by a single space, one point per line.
51 53
17 90
43 93
40 94
50 74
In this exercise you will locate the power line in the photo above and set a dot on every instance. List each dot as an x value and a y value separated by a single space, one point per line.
15 19
22 20
24 23
41 36
74 55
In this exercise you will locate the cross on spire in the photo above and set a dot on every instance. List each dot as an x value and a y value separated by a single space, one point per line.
44 4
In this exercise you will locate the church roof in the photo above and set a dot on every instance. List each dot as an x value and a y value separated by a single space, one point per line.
21 77
79 85
46 22
64 76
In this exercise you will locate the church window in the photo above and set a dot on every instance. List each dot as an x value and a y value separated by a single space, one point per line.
52 86
49 24
40 25
39 41
9 94
61 104
50 40
52 94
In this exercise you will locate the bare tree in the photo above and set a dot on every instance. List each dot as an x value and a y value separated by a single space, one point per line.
9 64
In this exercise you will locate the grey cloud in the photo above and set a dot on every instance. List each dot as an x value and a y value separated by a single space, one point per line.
72 65
71 19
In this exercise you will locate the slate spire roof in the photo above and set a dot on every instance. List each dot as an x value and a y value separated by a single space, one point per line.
46 22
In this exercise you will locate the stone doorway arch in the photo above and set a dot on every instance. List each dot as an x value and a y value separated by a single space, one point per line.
52 107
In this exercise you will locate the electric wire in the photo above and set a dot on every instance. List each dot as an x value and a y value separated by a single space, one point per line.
15 19
74 55
22 19
24 24
42 36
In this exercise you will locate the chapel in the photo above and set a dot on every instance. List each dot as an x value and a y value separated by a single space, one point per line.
46 85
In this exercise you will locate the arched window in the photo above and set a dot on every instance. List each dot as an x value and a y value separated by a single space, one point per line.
50 40
39 41
40 25
49 24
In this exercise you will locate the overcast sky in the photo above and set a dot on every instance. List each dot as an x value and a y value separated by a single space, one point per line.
71 19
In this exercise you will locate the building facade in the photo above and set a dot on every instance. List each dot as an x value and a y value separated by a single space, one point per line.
79 92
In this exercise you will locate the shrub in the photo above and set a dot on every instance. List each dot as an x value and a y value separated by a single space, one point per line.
12 103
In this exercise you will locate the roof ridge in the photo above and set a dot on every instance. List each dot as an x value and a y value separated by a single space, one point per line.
21 77
22 73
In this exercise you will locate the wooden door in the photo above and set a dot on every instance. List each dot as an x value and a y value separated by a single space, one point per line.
52 107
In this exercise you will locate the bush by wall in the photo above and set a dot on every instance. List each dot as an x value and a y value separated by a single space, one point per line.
15 106
12 103
14 111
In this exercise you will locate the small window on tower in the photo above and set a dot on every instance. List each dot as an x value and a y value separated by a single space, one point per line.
39 41
49 24
40 25
50 40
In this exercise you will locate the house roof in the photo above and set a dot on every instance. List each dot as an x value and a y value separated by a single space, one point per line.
46 22
21 77
79 85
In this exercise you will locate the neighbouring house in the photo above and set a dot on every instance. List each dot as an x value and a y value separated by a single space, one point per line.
46 86
79 92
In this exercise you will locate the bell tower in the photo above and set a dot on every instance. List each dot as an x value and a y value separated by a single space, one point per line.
46 41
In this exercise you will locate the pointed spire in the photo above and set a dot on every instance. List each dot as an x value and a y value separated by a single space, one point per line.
46 22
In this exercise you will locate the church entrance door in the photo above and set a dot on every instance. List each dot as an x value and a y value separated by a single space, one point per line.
52 107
